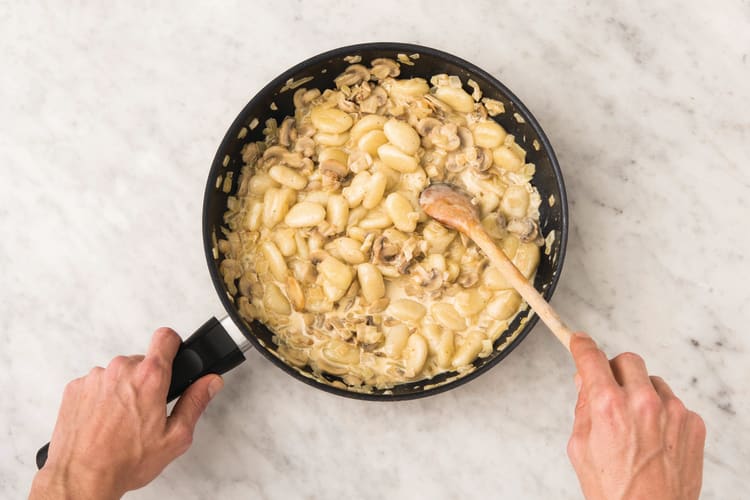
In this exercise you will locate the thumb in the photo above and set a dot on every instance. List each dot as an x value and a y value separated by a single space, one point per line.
191 406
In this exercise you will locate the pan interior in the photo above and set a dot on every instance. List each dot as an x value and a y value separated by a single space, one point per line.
275 101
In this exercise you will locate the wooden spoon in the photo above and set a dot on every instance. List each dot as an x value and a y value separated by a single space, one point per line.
451 206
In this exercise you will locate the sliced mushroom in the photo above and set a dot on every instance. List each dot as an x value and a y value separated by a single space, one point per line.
306 129
287 132
468 279
405 258
383 251
438 106
426 125
482 162
431 280
455 163
433 163
359 161
445 137
352 75
526 229
250 153
374 101
346 105
361 92
304 146
383 67
466 137
274 154
302 97
333 172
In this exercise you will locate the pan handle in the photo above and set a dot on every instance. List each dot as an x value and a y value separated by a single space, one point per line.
215 347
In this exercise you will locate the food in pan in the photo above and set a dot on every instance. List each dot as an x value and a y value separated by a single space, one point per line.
325 243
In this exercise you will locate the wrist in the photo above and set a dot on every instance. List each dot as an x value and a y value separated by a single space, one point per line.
62 483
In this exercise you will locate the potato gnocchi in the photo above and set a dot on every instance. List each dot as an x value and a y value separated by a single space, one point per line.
326 244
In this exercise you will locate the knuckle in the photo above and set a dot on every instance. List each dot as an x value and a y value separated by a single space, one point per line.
591 357
151 370
675 407
95 372
699 425
646 400
118 362
608 401
629 358
182 437
71 388
165 333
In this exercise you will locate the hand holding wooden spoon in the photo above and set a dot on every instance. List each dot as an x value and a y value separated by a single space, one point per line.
452 207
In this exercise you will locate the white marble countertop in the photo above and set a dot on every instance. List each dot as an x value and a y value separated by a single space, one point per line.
111 116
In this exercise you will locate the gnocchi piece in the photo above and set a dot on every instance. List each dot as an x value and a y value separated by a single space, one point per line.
355 192
276 262
527 259
260 183
274 299
402 135
401 212
326 139
413 87
395 341
515 201
305 214
415 354
348 250
504 305
330 120
504 158
375 190
370 282
471 301
489 134
468 351
366 124
337 212
397 159
336 272
406 310
456 98
275 207
288 177
446 315
445 349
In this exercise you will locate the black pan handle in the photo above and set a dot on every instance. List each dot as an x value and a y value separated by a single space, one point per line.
211 349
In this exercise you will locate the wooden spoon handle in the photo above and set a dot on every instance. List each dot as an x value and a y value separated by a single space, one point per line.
521 284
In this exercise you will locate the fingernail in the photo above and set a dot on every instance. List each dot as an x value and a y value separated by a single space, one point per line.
215 386
583 335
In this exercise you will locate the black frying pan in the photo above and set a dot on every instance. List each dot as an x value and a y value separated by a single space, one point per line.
217 347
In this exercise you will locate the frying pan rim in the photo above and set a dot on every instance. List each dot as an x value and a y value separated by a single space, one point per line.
277 83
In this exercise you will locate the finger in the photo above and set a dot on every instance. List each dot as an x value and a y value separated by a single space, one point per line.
592 364
630 370
582 422
189 409
163 347
662 388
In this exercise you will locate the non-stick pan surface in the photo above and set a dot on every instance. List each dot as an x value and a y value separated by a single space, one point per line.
323 68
